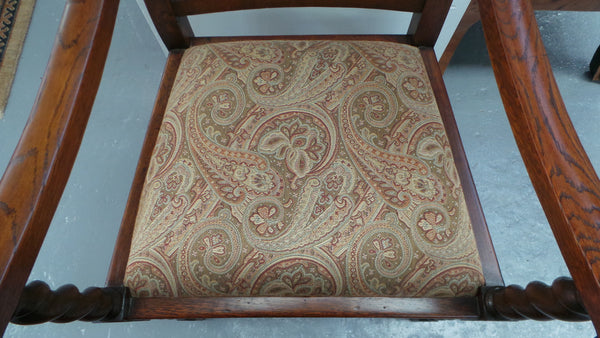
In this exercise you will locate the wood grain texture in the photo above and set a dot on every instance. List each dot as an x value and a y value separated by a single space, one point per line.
39 168
191 7
118 263
175 31
537 301
561 173
471 17
216 307
38 304
487 254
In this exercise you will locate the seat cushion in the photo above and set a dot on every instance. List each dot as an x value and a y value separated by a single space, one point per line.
302 168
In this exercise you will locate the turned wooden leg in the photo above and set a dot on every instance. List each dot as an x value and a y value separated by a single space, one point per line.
39 304
537 301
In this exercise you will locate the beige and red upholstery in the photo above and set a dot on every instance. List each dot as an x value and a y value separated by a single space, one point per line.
303 168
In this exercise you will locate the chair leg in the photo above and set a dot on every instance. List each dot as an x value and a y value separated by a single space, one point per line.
39 304
537 301
595 65
470 18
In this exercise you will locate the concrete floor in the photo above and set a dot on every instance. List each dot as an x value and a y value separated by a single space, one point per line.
79 244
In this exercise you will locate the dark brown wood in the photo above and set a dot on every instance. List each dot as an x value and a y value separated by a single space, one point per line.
538 301
191 7
214 307
471 17
595 65
38 304
414 23
561 173
39 168
391 38
487 254
426 26
116 272
175 31
431 22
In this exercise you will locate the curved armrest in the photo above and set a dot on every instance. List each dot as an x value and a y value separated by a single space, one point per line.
564 179
40 166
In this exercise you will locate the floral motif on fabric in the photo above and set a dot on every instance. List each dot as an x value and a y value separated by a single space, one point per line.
302 168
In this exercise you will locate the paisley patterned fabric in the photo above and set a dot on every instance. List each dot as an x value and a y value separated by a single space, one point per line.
302 168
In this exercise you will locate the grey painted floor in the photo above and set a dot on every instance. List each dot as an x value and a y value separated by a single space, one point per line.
79 244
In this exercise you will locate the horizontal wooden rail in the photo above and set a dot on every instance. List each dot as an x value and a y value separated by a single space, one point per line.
192 7
40 166
215 307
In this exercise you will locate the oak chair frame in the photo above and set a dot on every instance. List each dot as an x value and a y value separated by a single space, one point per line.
562 175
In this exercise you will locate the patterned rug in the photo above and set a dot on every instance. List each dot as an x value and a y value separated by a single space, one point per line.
14 21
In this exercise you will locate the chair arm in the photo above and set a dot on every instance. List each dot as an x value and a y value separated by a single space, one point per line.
39 168
564 179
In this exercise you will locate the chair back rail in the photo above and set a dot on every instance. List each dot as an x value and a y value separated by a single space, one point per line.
564 179
174 31
39 168
170 16
192 7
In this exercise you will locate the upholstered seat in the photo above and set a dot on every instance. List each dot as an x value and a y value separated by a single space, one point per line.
303 168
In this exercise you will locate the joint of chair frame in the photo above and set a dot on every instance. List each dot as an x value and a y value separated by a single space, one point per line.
537 301
39 304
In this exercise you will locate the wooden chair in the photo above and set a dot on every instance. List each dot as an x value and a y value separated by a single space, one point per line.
366 154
